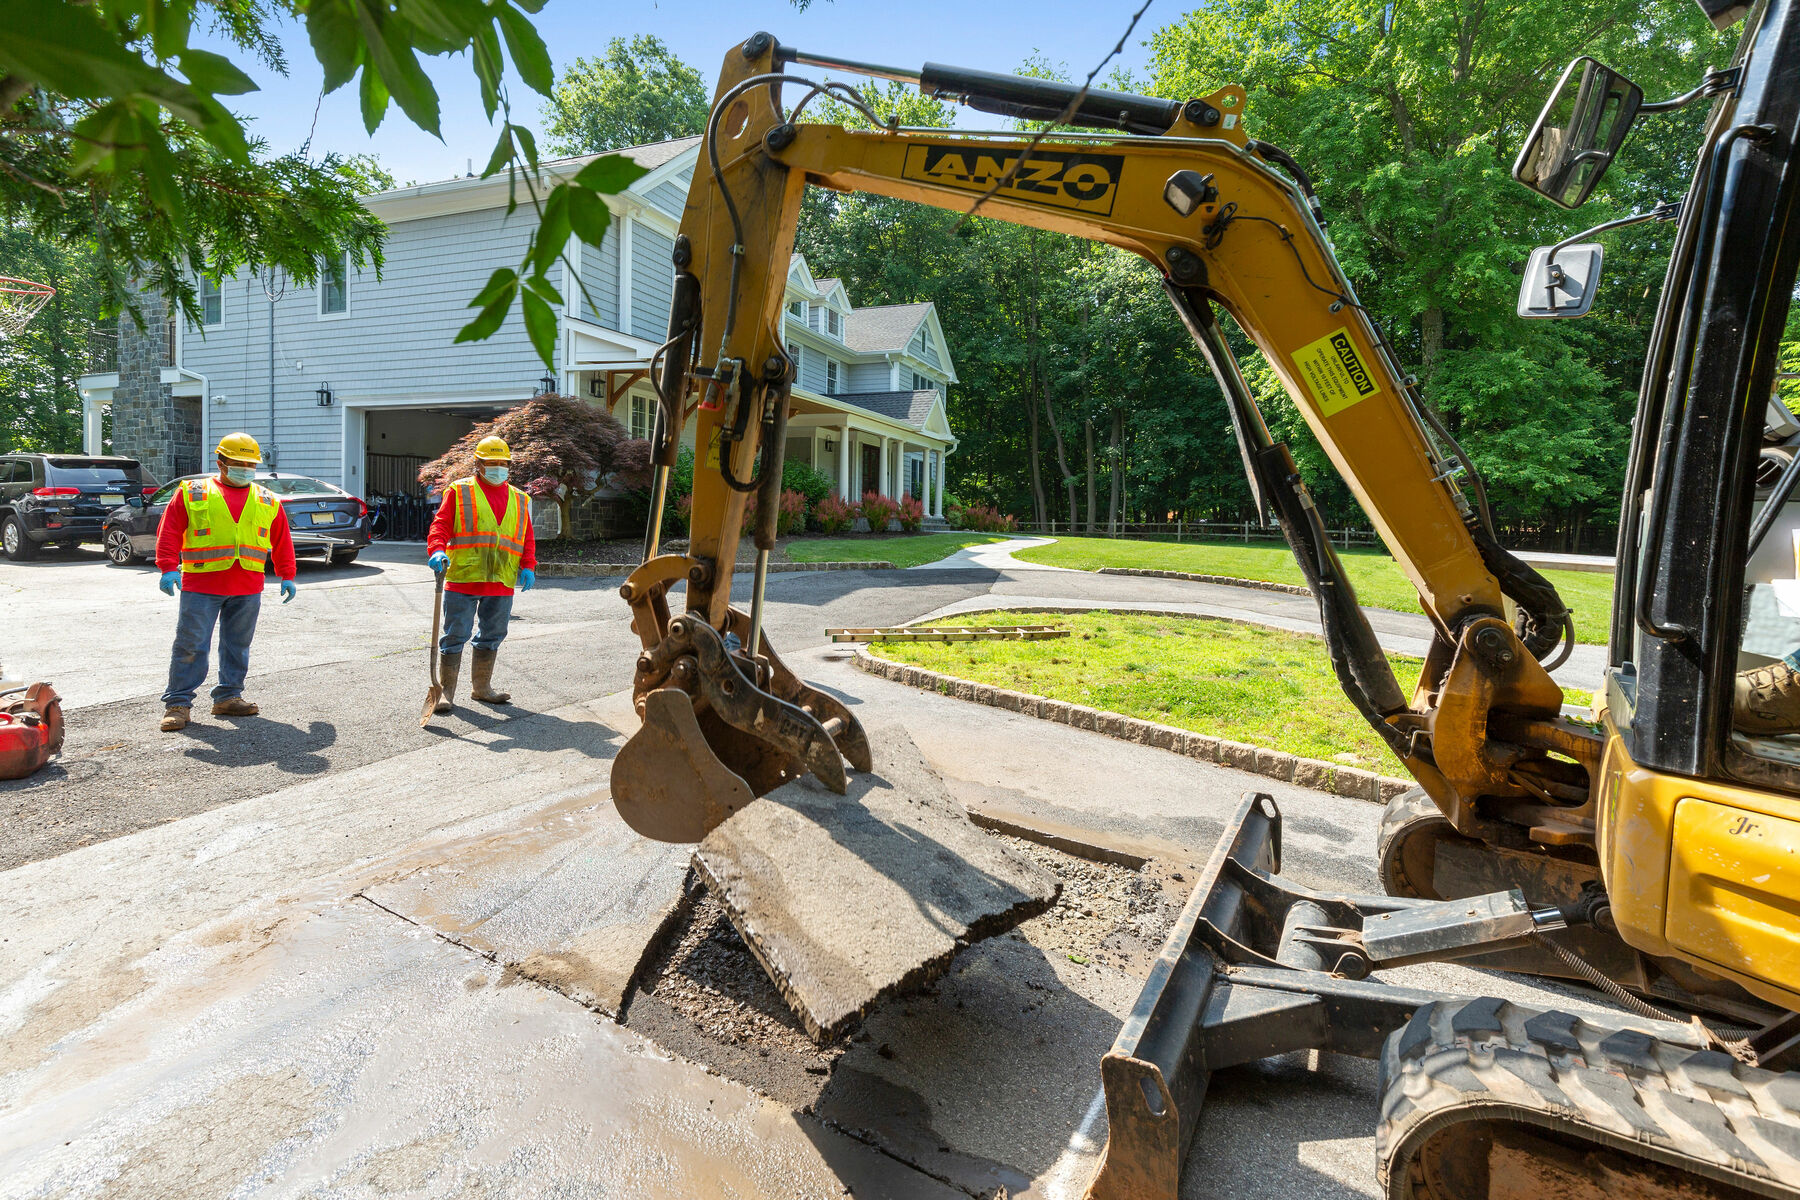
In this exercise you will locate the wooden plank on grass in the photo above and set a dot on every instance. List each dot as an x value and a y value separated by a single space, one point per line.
950 633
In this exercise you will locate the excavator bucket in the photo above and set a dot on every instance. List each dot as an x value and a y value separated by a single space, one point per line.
721 729
667 783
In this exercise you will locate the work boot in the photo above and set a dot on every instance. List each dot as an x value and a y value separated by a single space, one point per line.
175 718
1767 700
448 666
481 679
234 706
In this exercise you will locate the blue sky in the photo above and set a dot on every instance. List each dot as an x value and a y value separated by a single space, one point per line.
993 35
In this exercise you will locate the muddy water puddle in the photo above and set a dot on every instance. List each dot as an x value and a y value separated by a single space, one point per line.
705 996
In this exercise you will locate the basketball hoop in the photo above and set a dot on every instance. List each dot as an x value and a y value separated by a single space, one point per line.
20 300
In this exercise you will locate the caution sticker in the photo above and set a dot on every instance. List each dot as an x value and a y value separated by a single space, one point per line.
712 450
1334 372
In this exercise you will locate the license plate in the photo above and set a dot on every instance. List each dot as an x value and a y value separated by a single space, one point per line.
324 518
110 499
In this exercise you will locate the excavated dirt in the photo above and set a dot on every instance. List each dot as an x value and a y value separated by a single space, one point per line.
705 997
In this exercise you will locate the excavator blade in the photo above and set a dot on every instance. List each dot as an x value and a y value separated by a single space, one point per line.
666 782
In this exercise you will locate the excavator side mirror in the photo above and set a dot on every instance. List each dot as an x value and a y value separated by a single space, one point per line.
1578 133
1560 281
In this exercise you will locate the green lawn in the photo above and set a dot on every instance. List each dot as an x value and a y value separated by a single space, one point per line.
1375 576
906 551
1266 687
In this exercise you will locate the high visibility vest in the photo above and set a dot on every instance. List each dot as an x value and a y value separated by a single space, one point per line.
480 549
214 540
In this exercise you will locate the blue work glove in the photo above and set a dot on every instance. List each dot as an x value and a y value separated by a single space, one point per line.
170 583
288 590
439 562
527 579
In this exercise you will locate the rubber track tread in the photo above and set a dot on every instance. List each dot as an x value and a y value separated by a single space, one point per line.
1664 1098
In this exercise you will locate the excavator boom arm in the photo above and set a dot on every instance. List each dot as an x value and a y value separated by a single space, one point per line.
1229 232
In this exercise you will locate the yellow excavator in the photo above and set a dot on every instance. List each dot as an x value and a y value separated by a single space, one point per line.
1650 847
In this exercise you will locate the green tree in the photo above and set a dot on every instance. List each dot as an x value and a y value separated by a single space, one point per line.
1408 116
637 92
114 132
40 404
366 174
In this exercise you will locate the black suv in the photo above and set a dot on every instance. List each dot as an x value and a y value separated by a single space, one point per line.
62 498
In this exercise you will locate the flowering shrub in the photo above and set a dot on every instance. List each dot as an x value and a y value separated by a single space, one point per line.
793 513
980 518
835 516
911 514
878 510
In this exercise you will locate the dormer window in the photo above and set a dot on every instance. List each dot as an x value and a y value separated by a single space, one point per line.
797 309
834 323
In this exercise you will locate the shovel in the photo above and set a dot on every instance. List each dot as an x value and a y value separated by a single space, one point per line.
437 689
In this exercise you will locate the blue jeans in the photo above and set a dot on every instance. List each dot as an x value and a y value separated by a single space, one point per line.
460 611
236 618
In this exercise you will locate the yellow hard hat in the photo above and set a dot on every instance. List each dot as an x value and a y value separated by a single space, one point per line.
493 448
240 447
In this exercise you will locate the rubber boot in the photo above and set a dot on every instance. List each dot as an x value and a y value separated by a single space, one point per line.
175 718
481 679
448 666
1767 700
234 706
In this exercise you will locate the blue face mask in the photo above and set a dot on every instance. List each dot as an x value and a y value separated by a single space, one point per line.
495 474
240 476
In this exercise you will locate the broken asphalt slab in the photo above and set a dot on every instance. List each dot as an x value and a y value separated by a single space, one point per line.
847 899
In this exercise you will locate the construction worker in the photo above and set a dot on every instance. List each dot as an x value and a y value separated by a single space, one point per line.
218 537
482 538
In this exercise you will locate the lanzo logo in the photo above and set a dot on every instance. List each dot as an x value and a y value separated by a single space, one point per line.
1359 377
1086 182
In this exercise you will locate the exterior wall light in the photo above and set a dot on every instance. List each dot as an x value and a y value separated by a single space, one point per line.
324 395
546 386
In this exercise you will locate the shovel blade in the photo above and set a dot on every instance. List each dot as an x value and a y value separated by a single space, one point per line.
666 781
431 702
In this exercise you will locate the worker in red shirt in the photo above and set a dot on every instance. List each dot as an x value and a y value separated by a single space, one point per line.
218 537
481 541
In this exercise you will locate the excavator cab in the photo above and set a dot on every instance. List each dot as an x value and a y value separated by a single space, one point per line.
1647 848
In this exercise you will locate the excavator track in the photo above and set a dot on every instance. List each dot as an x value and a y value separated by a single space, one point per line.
1488 1099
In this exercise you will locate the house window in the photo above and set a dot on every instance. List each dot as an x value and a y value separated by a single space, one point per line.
797 309
334 284
641 417
834 323
212 301
831 377
921 384
794 353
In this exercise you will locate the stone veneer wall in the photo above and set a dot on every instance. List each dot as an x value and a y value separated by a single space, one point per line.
160 430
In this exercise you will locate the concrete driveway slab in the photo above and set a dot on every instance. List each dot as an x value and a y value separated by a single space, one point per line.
572 899
356 1055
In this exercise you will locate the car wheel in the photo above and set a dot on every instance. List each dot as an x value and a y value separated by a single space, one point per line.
18 547
118 547
343 558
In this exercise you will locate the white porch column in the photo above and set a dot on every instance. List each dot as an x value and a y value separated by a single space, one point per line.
844 463
93 438
935 482
886 487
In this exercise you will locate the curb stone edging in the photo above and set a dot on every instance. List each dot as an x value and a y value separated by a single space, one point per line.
556 570
1320 776
1261 585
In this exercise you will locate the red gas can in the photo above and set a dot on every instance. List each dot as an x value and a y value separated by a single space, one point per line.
31 728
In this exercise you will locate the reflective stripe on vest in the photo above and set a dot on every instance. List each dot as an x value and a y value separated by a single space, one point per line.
214 540
481 550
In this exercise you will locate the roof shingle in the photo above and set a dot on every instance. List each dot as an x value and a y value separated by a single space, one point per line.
908 406
883 327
